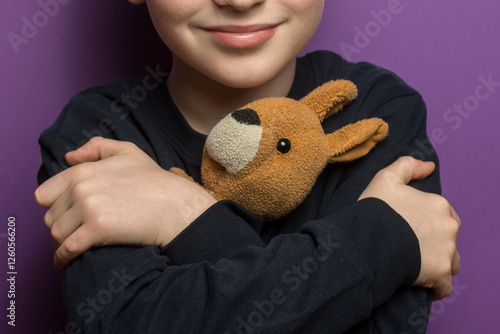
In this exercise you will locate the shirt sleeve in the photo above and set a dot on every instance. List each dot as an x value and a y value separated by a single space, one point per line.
407 311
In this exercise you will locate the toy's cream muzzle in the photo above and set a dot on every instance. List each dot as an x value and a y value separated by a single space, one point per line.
235 140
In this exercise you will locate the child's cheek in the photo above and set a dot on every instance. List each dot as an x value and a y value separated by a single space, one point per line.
171 11
309 8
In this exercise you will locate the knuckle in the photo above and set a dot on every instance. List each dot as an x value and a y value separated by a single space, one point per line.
81 190
56 234
70 247
456 268
443 294
95 214
95 218
448 290
445 289
95 140
47 219
385 175
383 172
78 172
100 222
129 145
442 203
444 266
89 206
407 160
402 166
451 226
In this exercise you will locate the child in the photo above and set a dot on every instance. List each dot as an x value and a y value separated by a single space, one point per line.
344 260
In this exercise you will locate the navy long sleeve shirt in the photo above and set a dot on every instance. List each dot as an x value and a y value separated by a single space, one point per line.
333 265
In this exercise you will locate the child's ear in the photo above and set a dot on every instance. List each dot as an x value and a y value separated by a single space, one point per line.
136 2
330 98
353 141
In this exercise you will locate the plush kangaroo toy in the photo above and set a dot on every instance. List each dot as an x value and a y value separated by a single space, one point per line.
267 155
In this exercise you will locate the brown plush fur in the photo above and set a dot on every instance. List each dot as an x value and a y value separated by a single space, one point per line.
273 183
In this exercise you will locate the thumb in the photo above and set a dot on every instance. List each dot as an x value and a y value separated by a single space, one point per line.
407 169
95 149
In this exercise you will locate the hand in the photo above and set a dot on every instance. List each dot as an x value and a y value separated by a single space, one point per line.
114 193
431 217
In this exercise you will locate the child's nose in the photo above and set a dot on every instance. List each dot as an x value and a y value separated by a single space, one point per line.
246 116
240 5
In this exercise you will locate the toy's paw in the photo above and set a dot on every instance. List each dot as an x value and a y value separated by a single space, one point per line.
180 172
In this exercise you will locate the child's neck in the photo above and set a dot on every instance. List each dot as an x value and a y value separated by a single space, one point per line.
204 102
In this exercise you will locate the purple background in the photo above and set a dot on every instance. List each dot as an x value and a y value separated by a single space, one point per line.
441 47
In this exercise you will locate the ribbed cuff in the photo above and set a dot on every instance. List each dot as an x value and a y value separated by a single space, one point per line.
387 244
219 232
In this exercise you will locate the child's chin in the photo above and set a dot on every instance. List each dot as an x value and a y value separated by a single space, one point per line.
251 79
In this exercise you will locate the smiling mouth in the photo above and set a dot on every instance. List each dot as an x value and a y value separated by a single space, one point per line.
242 37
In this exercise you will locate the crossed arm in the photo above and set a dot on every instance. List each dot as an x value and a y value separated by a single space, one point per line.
113 185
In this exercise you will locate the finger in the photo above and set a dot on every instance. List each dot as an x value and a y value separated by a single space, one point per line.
455 216
62 204
95 149
455 264
407 169
74 245
67 224
444 290
49 191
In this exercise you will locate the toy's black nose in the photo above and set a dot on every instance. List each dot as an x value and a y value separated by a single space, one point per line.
246 116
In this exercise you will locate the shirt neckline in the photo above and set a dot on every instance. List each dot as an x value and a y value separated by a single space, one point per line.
174 126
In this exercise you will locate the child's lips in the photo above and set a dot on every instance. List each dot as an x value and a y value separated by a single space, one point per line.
242 37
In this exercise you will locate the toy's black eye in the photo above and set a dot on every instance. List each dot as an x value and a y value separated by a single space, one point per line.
284 145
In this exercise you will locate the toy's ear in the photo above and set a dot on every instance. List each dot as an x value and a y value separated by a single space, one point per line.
355 140
330 98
